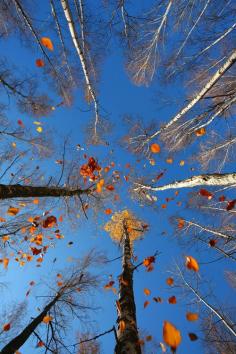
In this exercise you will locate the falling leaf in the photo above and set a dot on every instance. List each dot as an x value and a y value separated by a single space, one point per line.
231 205
200 132
146 303
47 319
192 316
172 300
39 129
146 291
193 336
169 281
6 327
169 160
192 264
46 42
13 211
171 335
155 148
122 325
212 242
205 193
39 63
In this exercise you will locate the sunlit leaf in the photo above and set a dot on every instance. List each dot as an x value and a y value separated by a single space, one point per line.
47 319
39 63
169 281
13 211
146 291
46 42
192 316
171 335
200 132
172 300
155 148
192 264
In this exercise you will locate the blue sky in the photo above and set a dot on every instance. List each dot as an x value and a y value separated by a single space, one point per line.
118 96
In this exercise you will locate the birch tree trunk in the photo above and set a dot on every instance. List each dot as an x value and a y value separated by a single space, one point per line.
215 179
128 340
19 340
19 191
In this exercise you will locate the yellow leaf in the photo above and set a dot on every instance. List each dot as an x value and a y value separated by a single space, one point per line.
191 316
155 148
182 162
46 42
171 335
47 319
13 145
39 129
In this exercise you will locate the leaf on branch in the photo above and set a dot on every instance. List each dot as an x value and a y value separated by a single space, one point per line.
46 42
155 148
6 327
39 63
12 211
192 316
231 205
172 300
205 193
47 319
200 132
170 281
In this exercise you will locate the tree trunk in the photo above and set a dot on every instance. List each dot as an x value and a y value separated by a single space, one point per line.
18 341
127 336
19 191
215 179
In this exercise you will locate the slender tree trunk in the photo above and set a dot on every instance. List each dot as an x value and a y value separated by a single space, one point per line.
128 340
19 191
18 341
215 179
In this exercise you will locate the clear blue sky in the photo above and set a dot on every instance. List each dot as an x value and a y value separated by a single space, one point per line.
118 97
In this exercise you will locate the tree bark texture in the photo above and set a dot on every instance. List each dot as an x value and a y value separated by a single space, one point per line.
19 340
128 339
19 191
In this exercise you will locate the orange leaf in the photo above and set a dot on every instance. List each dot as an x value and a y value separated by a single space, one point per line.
39 63
205 193
200 132
6 327
191 316
122 325
5 262
169 160
169 281
47 319
35 201
40 344
59 283
109 285
146 303
171 335
2 219
108 211
155 148
146 291
46 42
100 185
110 187
172 300
13 211
192 264
181 223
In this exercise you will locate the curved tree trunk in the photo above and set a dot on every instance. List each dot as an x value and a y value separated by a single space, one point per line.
127 336
18 341
19 191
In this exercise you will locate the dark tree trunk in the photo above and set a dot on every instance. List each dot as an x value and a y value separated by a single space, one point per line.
18 341
19 191
128 340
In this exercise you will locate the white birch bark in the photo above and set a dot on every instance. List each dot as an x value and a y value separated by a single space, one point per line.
80 52
218 74
215 179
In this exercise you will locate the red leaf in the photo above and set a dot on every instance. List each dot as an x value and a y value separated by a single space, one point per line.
231 205
212 243
205 193
222 198
39 63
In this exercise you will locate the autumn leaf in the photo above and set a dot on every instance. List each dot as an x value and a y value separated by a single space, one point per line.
231 205
13 211
169 281
46 42
155 148
222 198
108 211
39 63
181 223
100 185
109 285
6 327
169 160
182 162
2 219
192 264
40 344
212 242
148 338
205 193
47 319
39 129
172 300
49 222
171 335
193 336
146 291
192 316
110 187
157 299
200 132
5 262
146 303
